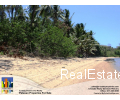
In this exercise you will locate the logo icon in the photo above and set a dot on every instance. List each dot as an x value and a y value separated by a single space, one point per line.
7 85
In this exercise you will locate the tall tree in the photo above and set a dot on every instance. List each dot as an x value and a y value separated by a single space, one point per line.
2 12
44 11
57 14
68 22
33 13
14 11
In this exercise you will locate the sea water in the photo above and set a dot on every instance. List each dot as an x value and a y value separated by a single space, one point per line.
117 64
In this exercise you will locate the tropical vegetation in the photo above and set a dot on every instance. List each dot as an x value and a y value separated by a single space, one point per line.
46 31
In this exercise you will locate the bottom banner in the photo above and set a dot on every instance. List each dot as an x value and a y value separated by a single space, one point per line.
16 85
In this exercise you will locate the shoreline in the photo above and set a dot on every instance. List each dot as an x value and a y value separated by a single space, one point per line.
47 73
107 67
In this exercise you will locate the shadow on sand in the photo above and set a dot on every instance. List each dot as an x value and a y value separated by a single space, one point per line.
5 64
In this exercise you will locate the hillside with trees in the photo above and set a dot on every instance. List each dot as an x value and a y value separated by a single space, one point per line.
47 31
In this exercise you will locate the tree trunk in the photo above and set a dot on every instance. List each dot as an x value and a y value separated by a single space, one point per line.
43 22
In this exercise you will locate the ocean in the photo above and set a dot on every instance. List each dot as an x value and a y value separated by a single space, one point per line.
117 64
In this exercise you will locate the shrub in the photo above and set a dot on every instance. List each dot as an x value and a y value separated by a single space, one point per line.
53 43
1 53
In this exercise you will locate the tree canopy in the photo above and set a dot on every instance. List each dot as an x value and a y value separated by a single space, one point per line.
46 30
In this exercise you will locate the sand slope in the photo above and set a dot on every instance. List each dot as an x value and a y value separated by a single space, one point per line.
47 73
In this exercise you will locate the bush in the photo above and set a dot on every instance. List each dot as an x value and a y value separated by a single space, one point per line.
53 43
1 53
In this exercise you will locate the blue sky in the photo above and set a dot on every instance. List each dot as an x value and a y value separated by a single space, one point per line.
103 20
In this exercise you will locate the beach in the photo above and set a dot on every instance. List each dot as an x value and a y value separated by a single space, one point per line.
47 72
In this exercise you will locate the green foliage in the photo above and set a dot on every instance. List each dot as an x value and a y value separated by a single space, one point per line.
117 51
4 31
96 52
47 30
53 43
108 51
85 41
103 51
111 54
1 53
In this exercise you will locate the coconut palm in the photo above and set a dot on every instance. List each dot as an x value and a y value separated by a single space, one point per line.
68 22
87 44
85 41
44 11
52 12
57 14
14 11
79 29
21 13
2 12
32 13
10 9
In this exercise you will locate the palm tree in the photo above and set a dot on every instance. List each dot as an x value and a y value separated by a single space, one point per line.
33 13
57 14
20 13
8 10
44 11
85 41
79 33
52 12
2 12
79 29
14 11
68 22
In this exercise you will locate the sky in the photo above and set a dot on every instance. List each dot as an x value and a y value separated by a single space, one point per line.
103 20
